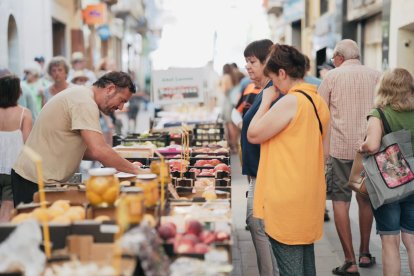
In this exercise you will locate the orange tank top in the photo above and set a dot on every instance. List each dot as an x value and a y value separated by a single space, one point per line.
290 189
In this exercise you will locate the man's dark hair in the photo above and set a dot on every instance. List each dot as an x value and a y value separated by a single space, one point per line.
288 58
258 49
118 78
10 91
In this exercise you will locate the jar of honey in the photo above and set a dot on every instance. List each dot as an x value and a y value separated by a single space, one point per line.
149 184
102 188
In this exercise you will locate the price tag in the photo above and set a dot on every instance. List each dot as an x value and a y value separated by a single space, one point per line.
109 228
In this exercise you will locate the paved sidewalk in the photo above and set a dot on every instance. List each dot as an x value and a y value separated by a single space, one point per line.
328 251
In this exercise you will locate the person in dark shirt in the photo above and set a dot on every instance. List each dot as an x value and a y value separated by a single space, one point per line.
255 55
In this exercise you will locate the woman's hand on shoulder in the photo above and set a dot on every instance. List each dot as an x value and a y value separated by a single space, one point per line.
270 94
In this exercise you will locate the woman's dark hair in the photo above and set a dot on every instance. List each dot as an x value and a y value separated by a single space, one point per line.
10 90
288 58
258 49
119 79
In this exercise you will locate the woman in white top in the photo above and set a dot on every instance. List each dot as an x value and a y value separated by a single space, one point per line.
15 126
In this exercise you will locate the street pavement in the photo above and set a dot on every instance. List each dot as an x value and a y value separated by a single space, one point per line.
328 251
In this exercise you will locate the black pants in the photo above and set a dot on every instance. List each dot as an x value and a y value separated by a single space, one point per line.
23 189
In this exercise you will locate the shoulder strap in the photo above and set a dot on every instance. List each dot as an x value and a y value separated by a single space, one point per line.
314 108
21 119
387 128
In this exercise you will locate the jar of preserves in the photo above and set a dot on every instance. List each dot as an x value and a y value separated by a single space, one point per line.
161 168
149 184
102 188
134 205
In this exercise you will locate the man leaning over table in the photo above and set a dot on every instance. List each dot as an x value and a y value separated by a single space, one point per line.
68 130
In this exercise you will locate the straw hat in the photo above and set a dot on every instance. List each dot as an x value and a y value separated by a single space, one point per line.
77 56
79 76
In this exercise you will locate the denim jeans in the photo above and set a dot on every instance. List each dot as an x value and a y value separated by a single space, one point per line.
395 217
266 261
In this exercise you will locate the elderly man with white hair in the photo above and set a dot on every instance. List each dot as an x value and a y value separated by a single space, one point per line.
349 91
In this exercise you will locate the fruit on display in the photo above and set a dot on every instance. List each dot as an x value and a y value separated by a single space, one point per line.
195 170
110 195
214 162
206 172
207 237
179 165
222 167
206 163
209 194
193 227
61 220
102 218
185 243
203 183
211 150
58 212
222 236
167 231
75 213
21 217
102 188
201 248
193 240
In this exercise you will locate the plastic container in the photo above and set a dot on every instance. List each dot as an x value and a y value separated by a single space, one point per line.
102 188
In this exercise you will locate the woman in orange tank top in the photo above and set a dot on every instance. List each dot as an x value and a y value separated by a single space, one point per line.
290 189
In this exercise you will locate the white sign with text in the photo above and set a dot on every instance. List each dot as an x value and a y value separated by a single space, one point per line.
178 85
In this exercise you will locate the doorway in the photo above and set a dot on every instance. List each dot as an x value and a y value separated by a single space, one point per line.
59 41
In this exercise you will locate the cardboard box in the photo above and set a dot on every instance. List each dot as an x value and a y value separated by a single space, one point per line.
135 151
92 212
75 195
86 250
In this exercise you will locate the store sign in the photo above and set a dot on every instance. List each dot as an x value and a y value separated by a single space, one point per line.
178 85
104 32
95 14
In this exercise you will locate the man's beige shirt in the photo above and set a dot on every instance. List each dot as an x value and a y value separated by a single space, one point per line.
349 91
56 135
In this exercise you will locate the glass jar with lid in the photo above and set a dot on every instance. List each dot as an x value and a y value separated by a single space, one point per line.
161 168
149 184
102 187
133 199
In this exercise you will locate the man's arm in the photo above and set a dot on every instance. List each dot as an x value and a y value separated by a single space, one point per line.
98 150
